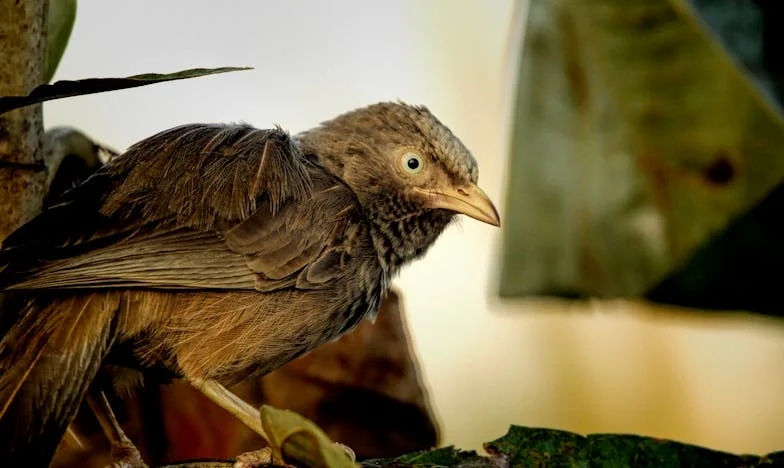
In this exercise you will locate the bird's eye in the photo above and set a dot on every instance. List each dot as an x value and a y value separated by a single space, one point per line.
412 163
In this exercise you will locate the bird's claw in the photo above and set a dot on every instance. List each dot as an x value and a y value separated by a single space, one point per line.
265 457
126 455
256 459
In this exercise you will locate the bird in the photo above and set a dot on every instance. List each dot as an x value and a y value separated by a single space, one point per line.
216 252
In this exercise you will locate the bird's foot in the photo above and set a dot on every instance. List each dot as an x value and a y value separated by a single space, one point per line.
255 459
126 455
267 457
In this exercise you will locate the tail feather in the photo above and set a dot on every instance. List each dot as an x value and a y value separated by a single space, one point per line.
49 356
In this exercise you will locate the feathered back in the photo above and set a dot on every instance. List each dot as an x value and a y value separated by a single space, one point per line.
204 173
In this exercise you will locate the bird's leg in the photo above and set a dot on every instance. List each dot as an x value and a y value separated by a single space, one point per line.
235 405
124 453
249 416
72 437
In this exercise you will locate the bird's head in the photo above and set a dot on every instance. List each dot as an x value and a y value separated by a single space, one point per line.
409 172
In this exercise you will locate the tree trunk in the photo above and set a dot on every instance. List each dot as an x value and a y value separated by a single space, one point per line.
22 171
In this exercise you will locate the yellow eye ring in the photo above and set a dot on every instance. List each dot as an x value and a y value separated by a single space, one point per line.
412 163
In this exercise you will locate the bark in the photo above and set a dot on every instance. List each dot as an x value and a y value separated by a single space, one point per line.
22 171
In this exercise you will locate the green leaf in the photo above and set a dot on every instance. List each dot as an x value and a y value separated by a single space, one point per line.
446 456
540 447
532 447
61 17
66 88
294 439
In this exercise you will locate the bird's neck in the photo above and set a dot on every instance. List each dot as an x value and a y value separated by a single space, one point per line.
399 241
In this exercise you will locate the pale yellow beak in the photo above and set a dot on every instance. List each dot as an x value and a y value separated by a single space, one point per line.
469 200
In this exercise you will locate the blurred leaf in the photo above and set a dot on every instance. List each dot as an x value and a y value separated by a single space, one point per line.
66 88
734 270
61 17
636 137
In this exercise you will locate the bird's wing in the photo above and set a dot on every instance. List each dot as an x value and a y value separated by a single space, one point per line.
195 207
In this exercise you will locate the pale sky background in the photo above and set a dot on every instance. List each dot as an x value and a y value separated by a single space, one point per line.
600 367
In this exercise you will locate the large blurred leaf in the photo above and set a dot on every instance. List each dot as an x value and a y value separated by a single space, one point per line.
636 137
66 88
61 17
737 268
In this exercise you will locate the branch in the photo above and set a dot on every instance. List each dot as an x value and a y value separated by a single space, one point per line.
22 49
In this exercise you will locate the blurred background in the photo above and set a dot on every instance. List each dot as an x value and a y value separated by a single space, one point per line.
599 365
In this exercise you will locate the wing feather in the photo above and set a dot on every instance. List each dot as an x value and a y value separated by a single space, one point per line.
194 207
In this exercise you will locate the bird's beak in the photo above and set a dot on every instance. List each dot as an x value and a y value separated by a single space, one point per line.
469 200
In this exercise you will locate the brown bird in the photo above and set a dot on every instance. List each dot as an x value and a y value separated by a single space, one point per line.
216 252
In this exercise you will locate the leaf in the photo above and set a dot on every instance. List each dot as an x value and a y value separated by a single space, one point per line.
446 456
636 138
732 270
540 447
61 17
298 440
67 88
532 447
